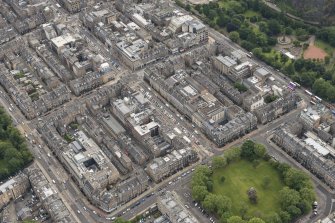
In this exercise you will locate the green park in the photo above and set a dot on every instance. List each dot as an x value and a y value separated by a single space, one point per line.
247 185
267 34
239 177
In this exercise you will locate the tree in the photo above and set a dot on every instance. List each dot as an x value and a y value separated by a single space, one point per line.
288 197
283 168
200 176
289 69
225 216
199 193
304 206
274 27
324 89
212 14
199 180
252 194
259 150
293 211
14 154
222 20
263 26
235 219
247 45
296 179
307 194
219 162
198 8
272 41
232 154
261 39
240 87
234 36
4 173
258 52
231 27
244 32
243 209
288 31
247 150
209 185
285 216
270 98
256 220
223 204
273 218
222 179
209 203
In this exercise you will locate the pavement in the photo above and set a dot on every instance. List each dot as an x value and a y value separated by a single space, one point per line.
276 8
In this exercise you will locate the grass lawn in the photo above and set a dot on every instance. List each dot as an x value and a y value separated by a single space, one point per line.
250 13
325 46
239 177
227 4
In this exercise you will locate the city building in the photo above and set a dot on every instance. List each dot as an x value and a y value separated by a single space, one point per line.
273 110
224 64
314 154
88 165
13 189
170 205
72 6
49 197
162 167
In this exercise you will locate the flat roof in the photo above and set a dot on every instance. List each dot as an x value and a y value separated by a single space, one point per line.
320 149
144 129
262 71
60 41
229 62
114 125
6 185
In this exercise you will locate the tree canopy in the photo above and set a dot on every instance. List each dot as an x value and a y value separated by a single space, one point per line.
295 198
14 154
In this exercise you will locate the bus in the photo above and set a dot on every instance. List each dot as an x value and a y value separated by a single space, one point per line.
313 103
308 92
318 99
292 86
296 84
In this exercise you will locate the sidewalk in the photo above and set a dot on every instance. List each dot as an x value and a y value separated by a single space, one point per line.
301 167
